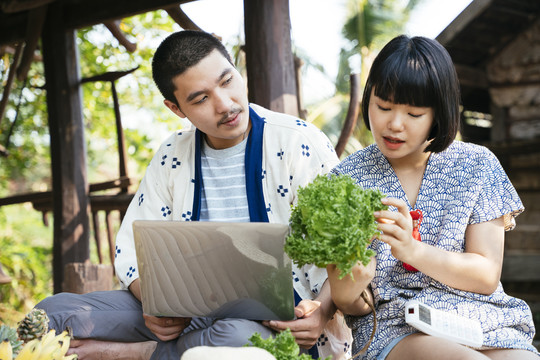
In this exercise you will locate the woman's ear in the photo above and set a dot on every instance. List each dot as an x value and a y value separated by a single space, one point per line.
174 108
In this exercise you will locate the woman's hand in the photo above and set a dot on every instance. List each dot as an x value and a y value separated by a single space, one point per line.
477 269
396 227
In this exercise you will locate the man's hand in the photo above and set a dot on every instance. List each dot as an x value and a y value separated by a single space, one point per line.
166 328
307 327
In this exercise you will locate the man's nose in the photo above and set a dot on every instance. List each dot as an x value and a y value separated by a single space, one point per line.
223 102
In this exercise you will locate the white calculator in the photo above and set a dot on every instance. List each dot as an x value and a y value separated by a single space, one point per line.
442 324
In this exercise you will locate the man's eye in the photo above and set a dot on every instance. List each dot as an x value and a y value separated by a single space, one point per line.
203 99
227 81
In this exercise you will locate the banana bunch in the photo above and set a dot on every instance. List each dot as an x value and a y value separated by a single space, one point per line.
49 347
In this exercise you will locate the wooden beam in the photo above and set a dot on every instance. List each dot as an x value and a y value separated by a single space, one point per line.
14 6
36 18
114 28
87 13
472 77
68 150
180 17
269 58
462 20
80 14
352 114
9 83
46 196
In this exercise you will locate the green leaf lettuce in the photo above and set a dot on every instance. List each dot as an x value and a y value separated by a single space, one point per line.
333 223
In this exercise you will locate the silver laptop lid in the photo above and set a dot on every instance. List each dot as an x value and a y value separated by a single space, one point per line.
214 269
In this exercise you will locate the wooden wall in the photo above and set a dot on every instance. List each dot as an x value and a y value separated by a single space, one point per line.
514 88
514 77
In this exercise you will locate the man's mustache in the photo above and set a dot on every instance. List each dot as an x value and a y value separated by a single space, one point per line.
232 113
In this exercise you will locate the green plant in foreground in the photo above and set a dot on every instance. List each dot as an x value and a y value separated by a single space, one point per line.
282 346
10 334
333 223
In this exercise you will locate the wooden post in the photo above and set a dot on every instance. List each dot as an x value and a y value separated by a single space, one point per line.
269 58
352 114
68 151
82 278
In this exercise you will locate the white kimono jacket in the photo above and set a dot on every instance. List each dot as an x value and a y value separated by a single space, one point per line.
282 153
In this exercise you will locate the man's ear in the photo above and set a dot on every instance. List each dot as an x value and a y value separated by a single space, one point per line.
174 108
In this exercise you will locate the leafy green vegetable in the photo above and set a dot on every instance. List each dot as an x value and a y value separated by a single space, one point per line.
333 223
282 346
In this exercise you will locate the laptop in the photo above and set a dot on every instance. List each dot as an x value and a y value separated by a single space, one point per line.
214 269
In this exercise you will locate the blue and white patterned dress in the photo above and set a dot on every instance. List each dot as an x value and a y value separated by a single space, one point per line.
465 184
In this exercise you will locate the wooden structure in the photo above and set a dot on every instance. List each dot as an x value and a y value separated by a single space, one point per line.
55 22
495 45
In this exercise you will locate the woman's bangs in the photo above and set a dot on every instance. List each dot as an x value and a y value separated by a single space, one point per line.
405 82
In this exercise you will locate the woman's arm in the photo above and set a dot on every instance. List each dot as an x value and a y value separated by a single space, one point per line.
478 269
347 292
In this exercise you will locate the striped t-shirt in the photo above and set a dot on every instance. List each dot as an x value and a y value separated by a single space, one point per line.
223 196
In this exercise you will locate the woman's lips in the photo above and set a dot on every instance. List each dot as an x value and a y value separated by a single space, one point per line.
392 143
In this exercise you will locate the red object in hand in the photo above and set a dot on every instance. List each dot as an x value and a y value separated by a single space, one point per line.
417 220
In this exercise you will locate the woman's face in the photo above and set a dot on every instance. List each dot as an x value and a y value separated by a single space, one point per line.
400 131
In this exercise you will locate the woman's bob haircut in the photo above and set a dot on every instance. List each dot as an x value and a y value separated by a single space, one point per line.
418 71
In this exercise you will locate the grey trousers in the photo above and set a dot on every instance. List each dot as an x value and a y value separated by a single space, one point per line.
117 316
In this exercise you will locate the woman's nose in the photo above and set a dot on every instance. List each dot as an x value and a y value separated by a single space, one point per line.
395 123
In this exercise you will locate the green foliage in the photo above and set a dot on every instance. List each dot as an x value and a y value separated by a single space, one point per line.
282 346
9 333
24 130
25 256
370 24
140 101
333 223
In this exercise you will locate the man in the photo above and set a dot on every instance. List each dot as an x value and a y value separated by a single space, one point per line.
239 162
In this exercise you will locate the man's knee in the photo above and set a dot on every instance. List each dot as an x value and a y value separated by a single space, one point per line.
57 307
236 332
54 303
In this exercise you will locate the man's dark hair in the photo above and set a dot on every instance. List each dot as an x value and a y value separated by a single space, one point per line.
418 71
179 52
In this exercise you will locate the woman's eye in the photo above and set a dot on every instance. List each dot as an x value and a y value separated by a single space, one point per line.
382 108
415 115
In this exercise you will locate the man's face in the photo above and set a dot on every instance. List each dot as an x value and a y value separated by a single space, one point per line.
213 97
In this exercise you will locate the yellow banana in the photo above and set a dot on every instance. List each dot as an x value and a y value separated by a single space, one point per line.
71 357
48 338
47 352
6 352
57 355
65 341
30 351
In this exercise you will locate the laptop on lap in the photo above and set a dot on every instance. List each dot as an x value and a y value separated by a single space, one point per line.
214 269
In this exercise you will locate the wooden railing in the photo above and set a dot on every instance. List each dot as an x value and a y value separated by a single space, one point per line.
43 202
